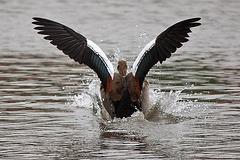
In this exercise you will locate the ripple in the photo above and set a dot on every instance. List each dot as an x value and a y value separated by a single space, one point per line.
50 104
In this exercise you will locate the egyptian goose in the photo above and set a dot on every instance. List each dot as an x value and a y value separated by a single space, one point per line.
122 94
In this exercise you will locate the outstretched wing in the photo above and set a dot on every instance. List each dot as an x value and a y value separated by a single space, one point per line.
77 47
161 48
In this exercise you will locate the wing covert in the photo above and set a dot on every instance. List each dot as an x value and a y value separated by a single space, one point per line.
77 47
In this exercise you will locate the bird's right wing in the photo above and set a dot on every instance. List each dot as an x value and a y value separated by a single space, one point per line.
77 47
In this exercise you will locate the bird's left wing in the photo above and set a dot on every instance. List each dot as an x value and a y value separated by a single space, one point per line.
77 47
161 48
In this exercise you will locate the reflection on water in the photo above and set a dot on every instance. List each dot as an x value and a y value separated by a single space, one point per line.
49 104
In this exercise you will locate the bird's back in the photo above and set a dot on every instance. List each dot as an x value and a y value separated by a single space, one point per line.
122 100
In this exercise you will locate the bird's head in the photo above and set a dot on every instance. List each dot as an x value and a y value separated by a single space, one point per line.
122 67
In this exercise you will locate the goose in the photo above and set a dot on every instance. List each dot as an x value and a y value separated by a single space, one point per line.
122 93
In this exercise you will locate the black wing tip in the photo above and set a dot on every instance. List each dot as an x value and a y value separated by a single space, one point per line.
38 28
38 19
43 21
194 21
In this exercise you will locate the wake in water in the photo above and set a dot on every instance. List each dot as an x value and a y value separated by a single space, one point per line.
163 105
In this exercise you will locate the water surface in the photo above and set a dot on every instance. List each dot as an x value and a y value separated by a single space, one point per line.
49 104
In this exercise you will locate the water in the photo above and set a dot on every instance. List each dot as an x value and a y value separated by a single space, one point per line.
49 104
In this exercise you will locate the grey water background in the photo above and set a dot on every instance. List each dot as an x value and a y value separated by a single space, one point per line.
48 103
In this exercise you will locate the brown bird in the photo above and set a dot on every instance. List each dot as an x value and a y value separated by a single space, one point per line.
122 94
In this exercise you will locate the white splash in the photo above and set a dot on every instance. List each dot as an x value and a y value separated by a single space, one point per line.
161 103
89 98
168 102
175 103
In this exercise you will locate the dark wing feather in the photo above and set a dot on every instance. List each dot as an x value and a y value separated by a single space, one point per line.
162 47
76 47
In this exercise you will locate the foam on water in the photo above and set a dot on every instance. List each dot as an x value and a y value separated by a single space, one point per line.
170 102
161 103
89 98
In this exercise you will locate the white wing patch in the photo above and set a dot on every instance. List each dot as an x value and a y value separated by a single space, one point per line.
141 55
102 55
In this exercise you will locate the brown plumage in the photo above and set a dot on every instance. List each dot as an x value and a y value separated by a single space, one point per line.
123 99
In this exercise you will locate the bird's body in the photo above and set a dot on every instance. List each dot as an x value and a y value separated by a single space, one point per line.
122 101
122 93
